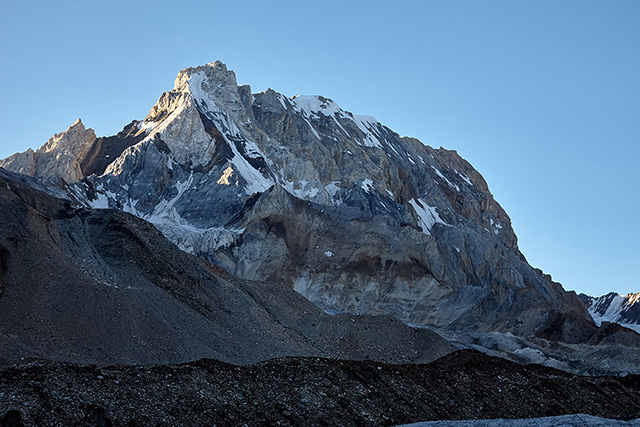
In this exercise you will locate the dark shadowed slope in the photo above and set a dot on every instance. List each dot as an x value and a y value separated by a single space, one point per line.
103 286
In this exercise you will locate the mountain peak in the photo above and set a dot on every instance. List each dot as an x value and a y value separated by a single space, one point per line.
58 160
219 64
77 124
283 182
75 134
216 73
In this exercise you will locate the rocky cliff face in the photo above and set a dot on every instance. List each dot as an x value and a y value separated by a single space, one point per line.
612 307
332 204
57 162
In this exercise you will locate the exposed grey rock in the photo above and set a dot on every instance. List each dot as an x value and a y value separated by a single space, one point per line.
104 287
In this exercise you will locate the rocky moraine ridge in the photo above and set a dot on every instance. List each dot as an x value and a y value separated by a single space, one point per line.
313 392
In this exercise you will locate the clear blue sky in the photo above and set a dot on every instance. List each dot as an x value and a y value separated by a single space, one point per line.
542 97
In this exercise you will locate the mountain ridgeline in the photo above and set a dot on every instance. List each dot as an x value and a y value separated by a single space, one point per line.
622 309
298 191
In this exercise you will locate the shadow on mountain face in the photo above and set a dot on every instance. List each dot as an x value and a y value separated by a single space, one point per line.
104 287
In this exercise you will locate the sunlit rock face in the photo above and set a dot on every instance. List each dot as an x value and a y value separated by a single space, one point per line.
336 205
57 162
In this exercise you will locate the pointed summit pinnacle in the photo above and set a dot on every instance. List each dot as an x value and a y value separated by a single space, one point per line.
219 64
216 73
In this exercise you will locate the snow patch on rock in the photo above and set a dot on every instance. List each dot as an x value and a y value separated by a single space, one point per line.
445 179
427 215
367 185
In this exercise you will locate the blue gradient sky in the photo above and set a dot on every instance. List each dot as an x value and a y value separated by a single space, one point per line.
543 97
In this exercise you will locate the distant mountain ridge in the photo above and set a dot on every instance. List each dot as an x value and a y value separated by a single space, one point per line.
615 308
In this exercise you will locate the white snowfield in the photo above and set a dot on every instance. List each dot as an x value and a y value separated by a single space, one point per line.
578 420
314 105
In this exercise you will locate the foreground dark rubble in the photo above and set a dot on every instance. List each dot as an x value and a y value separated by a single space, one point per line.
305 391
